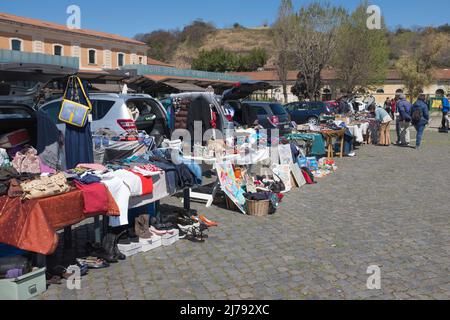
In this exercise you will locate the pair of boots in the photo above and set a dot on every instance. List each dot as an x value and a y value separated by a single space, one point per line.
108 250
142 226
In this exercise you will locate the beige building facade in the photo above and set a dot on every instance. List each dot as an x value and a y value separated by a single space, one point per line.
96 50
330 91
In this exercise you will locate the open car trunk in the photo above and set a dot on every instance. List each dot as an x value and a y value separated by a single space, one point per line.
15 117
244 89
151 119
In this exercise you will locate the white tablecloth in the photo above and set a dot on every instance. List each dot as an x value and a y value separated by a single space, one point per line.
359 131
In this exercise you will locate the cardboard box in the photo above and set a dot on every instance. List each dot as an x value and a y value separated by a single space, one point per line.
130 249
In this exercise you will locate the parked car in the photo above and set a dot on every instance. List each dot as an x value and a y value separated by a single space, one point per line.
270 115
308 112
112 111
231 97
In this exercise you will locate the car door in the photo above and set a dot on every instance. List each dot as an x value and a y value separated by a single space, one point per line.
263 115
291 108
301 113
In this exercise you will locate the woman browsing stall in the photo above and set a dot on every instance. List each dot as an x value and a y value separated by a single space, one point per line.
385 120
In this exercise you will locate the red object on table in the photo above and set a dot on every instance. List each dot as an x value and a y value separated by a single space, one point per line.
32 225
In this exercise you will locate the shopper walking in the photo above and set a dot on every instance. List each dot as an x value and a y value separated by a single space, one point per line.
404 110
445 118
420 116
385 120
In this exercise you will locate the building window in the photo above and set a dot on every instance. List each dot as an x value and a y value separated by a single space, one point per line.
120 59
58 50
140 60
16 44
92 56
380 90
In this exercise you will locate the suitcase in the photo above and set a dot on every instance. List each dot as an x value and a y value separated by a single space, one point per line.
14 139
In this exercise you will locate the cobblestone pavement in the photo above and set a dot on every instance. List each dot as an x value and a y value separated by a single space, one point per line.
388 207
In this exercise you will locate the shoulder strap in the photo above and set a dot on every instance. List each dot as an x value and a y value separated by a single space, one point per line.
84 92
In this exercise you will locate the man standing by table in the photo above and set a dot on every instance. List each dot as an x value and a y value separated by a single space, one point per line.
404 110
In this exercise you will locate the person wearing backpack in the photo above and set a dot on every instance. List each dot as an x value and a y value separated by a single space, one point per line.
420 117
445 110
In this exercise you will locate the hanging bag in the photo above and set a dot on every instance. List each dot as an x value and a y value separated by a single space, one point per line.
73 112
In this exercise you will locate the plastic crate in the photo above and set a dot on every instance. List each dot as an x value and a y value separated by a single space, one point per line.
25 287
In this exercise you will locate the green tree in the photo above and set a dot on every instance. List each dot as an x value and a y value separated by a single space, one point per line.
283 34
216 60
255 59
161 43
221 60
417 67
362 55
315 40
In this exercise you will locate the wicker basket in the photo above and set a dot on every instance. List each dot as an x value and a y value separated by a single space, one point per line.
258 208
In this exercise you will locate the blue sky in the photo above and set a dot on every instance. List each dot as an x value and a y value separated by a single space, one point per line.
134 16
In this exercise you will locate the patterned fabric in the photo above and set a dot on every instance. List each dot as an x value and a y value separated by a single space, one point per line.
27 161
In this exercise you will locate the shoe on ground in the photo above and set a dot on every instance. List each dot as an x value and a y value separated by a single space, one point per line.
157 232
208 222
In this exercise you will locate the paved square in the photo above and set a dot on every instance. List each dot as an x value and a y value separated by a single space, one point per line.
388 206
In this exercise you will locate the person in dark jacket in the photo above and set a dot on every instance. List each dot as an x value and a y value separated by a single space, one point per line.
445 110
420 108
404 110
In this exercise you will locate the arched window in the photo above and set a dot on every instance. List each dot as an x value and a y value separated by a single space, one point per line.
120 59
16 45
440 92
399 91
380 90
58 50
92 56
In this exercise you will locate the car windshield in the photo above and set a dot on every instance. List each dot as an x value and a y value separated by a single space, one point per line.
277 109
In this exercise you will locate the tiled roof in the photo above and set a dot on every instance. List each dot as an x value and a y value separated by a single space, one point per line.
154 62
58 27
328 74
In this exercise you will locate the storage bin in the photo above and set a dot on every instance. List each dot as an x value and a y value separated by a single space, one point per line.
25 287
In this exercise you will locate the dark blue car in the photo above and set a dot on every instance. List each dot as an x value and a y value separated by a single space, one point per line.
308 112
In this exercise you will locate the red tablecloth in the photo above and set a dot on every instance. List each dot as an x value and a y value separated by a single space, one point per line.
32 225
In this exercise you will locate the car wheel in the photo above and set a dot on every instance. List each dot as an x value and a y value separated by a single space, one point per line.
313 120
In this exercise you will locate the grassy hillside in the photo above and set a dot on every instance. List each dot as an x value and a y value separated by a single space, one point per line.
236 40
181 47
